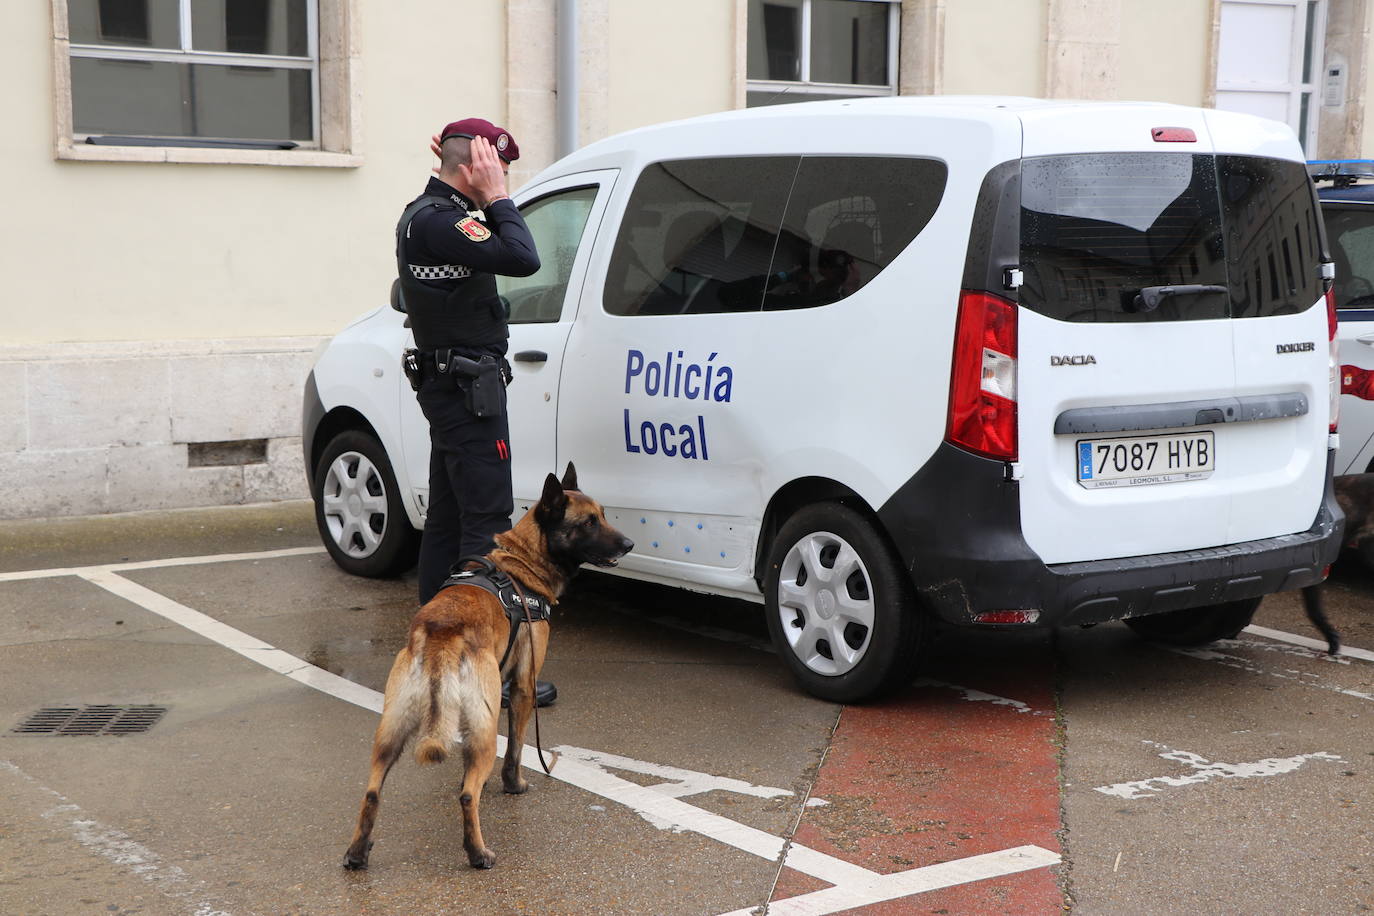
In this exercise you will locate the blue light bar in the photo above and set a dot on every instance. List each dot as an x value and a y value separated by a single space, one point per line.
1341 171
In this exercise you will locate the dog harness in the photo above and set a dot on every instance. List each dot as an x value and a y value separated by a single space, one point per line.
485 575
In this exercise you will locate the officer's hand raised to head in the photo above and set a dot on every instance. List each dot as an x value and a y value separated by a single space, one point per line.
486 176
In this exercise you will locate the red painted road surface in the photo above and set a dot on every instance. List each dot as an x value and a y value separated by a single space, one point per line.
934 775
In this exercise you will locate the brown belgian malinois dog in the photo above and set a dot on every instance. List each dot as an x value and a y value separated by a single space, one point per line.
447 680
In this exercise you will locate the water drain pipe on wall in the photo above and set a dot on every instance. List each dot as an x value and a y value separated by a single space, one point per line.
567 87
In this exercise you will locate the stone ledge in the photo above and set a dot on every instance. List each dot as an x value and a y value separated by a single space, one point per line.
62 351
86 152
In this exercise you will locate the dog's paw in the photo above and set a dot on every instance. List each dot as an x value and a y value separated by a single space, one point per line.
356 857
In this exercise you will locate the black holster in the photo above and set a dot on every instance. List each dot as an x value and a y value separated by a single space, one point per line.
410 365
485 390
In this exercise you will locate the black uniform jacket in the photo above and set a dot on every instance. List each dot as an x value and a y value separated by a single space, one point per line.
448 258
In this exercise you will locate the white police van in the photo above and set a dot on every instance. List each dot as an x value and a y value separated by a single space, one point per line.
883 362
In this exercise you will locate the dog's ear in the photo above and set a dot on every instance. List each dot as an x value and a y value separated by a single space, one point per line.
552 504
570 478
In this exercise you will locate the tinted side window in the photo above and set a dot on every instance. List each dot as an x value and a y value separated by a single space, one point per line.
1095 229
1272 246
698 236
556 223
1350 234
744 234
847 219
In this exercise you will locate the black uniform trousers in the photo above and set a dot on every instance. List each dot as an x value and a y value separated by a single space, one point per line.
470 498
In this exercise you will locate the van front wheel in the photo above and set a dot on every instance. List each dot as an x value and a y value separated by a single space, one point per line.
840 609
358 508
1196 626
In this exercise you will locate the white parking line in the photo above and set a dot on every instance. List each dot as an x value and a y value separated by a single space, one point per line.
680 783
1204 770
22 574
916 881
1308 642
1306 678
248 646
854 885
119 848
978 696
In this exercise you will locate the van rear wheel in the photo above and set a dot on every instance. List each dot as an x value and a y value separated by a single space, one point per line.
840 608
1197 626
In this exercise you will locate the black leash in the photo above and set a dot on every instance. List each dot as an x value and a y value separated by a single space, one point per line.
534 698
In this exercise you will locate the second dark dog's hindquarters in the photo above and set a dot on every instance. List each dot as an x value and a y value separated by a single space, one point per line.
1315 607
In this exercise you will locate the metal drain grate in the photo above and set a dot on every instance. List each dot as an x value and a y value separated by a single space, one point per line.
90 720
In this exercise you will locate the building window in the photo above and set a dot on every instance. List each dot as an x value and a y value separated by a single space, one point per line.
229 73
804 50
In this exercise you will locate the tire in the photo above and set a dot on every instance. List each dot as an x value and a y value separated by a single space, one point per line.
358 508
844 645
1197 626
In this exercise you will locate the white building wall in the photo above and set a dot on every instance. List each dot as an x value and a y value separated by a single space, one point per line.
148 307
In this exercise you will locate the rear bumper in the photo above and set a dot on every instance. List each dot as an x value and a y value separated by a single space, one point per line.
957 527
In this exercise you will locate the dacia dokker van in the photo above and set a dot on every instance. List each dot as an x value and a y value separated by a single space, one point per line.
882 362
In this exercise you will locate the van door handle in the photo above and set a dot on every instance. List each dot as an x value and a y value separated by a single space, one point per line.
1181 414
531 356
1366 339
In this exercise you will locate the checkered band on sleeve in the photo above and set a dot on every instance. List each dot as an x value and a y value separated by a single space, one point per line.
440 271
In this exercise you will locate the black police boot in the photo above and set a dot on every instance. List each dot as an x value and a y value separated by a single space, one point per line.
544 694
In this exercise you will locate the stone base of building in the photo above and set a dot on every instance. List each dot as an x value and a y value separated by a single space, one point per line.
94 428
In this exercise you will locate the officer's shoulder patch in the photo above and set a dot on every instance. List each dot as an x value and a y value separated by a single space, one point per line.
472 229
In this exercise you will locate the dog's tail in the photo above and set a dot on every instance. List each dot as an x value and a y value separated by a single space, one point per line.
457 699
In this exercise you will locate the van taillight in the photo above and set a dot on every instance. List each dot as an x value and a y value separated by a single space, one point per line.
982 391
1334 367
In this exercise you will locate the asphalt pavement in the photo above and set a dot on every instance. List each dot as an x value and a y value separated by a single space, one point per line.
1034 772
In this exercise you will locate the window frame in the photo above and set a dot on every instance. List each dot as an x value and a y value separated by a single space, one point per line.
1302 89
805 86
333 60
618 238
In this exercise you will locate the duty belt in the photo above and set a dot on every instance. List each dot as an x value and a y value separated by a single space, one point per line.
485 575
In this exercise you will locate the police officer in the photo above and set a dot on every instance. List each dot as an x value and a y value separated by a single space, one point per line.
451 241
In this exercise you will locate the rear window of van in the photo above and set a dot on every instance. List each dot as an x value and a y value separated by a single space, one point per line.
1233 236
745 234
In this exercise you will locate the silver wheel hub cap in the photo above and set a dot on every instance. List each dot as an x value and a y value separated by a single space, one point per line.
354 500
825 603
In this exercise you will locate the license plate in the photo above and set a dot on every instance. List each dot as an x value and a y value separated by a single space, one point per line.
1142 460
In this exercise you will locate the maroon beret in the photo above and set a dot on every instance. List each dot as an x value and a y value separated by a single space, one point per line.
472 128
